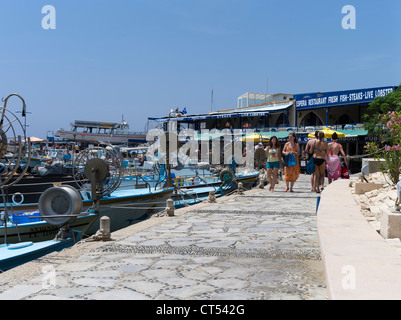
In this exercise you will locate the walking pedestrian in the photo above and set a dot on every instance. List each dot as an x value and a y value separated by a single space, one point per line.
321 151
291 173
309 154
334 163
273 163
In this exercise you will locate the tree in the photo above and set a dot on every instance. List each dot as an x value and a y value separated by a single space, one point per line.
379 106
383 120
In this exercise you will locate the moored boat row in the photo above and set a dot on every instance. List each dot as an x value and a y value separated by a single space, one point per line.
56 185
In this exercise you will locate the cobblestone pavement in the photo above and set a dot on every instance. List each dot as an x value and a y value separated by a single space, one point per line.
259 245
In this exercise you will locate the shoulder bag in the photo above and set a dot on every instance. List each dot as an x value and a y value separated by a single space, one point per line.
310 166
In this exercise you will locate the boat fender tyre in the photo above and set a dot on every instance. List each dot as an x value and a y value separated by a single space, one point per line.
226 176
60 201
19 195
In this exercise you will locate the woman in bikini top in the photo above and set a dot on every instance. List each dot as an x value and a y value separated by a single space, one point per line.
321 150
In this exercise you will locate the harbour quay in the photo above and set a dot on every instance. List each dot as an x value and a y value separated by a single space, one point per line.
252 245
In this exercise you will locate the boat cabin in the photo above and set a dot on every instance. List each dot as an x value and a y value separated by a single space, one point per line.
99 127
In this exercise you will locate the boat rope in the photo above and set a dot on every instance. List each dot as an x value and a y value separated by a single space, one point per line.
136 207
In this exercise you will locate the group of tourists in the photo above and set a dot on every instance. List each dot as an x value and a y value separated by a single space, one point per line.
324 155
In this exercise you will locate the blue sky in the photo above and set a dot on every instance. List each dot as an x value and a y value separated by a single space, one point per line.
139 58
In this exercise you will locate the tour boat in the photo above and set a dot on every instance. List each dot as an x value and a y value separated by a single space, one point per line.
110 132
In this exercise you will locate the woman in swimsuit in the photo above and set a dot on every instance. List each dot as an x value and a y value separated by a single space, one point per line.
334 163
273 153
309 153
321 151
291 174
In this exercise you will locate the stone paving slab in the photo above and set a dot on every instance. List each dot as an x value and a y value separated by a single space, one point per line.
259 245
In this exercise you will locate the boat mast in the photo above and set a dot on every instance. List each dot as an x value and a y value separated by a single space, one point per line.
211 102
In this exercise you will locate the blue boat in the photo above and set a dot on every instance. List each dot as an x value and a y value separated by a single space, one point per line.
199 187
124 207
29 226
13 255
127 206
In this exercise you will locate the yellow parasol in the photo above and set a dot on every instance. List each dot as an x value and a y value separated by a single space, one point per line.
328 133
256 137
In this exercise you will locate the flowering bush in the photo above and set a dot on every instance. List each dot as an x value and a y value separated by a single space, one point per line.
389 145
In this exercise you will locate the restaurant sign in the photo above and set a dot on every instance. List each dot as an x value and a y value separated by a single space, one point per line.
327 99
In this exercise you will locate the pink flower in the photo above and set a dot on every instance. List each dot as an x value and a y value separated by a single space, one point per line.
388 148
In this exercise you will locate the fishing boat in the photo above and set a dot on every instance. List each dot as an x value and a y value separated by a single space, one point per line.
199 187
11 161
30 187
110 132
51 169
28 226
13 255
123 206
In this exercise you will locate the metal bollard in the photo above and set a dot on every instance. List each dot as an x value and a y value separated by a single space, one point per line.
170 207
240 188
212 197
103 234
105 225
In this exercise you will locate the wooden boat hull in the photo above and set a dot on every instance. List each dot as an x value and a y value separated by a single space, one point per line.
122 207
41 230
124 211
32 187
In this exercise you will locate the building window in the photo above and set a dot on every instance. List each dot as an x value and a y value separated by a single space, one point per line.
345 119
282 120
311 119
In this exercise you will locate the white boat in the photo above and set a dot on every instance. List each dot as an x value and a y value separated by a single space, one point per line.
93 131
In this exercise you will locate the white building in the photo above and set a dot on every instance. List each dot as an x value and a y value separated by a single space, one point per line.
251 98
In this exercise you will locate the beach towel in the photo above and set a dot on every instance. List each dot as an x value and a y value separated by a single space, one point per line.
334 167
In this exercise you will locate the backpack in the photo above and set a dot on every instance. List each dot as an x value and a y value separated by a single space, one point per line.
344 172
